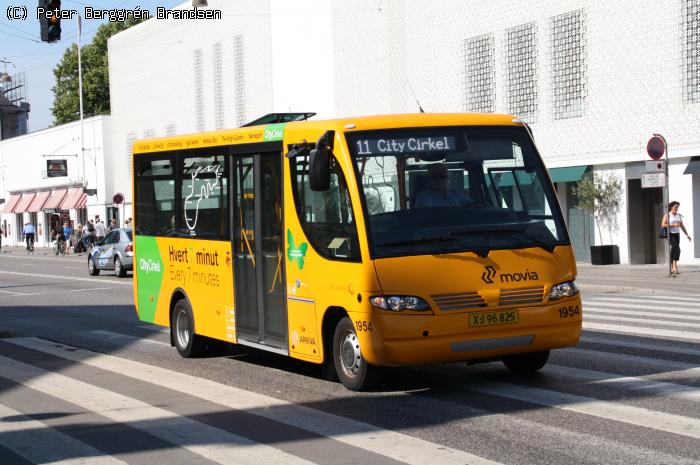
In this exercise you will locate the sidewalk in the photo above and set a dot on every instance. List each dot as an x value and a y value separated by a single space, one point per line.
643 279
38 252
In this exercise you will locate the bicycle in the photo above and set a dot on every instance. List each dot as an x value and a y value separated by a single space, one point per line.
59 247
30 244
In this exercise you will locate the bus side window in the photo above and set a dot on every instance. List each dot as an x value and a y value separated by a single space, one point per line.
326 217
155 196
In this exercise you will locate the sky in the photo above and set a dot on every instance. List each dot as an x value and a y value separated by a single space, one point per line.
21 46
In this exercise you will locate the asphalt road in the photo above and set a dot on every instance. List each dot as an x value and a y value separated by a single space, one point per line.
82 380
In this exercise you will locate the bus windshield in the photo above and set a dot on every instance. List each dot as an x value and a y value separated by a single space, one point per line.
454 189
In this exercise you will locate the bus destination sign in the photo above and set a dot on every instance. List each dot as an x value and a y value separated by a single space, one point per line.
408 145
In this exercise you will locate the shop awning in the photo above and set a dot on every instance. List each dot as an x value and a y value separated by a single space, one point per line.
38 202
24 202
693 166
55 199
71 199
82 202
10 203
567 174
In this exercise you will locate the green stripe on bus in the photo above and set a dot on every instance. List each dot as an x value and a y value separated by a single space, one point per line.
150 276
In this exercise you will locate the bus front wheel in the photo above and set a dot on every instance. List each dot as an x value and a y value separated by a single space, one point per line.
187 343
351 367
526 363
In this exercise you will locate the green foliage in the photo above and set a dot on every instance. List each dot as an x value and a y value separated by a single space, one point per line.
599 195
66 107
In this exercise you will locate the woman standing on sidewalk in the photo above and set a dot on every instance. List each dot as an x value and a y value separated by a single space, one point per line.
674 222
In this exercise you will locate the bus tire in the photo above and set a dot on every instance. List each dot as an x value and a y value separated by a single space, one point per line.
526 363
350 366
187 343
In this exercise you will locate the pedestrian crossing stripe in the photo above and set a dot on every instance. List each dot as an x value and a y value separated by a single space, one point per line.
615 311
386 443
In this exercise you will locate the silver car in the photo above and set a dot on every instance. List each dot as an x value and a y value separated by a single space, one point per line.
114 252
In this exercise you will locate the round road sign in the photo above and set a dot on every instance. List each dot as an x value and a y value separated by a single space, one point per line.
118 198
656 147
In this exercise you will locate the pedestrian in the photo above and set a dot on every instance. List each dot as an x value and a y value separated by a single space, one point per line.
127 223
674 222
100 229
67 234
2 232
78 239
112 225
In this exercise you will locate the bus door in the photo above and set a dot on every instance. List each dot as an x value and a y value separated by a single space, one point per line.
258 249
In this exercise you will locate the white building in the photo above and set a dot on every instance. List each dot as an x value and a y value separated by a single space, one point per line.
594 79
46 181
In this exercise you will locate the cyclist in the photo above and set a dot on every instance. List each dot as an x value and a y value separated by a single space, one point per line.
58 236
28 233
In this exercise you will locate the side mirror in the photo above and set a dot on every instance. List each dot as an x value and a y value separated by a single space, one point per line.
320 163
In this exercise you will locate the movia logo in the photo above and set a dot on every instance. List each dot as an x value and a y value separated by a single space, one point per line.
273 132
490 273
487 276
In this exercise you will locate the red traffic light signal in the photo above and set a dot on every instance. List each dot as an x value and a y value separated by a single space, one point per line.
50 20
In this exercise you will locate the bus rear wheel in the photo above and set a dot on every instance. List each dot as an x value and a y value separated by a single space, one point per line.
351 367
187 343
526 363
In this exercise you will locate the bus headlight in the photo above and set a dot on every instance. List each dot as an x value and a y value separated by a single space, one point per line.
399 303
560 290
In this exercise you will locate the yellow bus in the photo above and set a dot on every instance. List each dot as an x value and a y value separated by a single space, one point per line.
356 243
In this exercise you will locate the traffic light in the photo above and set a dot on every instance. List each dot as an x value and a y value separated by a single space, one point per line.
50 20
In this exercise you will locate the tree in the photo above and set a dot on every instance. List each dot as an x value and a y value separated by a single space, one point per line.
66 106
599 195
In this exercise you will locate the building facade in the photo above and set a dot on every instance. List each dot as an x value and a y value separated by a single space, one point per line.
49 177
593 79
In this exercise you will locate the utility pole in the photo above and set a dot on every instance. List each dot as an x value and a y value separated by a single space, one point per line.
80 92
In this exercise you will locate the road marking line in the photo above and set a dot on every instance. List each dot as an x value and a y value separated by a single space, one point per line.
13 293
672 308
91 289
690 299
632 383
68 278
638 416
662 365
642 331
364 436
23 434
640 345
209 442
615 311
624 319
112 336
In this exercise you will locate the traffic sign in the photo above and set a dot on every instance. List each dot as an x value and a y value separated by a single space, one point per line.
118 198
656 147
657 166
650 180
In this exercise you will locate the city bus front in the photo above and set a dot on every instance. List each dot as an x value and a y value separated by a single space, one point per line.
470 250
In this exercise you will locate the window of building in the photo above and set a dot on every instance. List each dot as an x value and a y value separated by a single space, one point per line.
479 74
691 55
521 71
568 61
326 217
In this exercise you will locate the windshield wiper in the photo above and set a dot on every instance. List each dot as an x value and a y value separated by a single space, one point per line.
549 247
480 251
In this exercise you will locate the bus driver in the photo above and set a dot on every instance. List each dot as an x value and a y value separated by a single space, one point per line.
438 194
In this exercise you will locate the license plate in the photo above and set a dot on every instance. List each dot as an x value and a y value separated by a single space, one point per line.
501 317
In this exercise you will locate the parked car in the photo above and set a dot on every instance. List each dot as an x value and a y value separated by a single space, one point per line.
114 252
